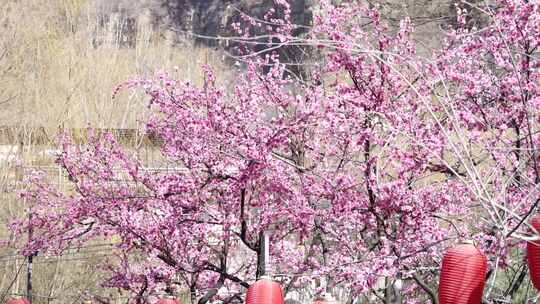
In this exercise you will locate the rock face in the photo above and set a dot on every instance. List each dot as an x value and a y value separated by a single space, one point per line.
210 18
201 17
213 17
197 20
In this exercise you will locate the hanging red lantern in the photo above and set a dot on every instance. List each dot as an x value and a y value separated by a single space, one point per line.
169 300
533 255
265 291
18 300
463 275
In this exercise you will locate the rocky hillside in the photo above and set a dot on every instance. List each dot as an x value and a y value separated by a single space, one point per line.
200 17
198 20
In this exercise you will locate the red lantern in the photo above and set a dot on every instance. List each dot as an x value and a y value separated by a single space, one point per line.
533 255
169 300
18 300
265 291
463 275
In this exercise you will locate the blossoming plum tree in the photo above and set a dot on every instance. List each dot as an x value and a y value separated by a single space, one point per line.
362 174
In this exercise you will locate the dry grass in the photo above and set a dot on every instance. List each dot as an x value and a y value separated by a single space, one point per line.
65 66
